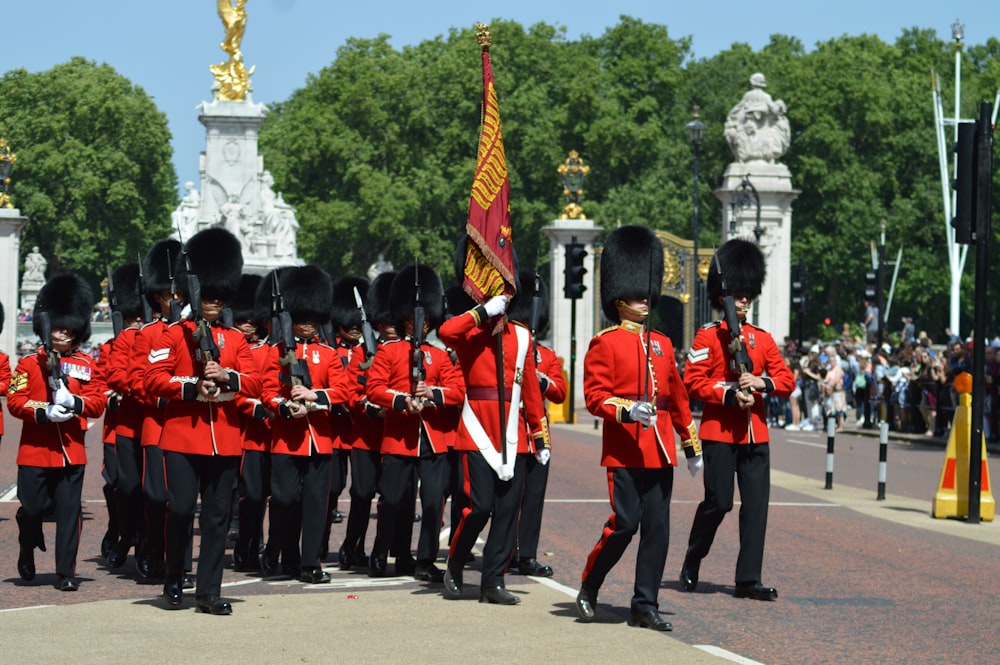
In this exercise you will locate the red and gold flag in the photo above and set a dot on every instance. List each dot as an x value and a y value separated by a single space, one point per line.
489 261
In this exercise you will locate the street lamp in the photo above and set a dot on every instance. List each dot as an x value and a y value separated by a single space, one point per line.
743 196
695 128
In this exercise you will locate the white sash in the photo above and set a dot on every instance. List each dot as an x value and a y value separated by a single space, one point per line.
475 428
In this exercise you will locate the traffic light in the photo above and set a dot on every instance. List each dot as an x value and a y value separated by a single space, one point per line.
575 253
871 285
799 287
964 184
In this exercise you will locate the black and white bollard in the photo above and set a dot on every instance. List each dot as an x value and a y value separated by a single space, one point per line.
831 428
883 448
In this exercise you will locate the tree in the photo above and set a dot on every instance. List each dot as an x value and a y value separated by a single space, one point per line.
93 168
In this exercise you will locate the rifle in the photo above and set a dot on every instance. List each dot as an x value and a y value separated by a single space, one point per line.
740 360
52 360
147 311
175 304
206 350
536 310
417 370
117 323
295 370
367 334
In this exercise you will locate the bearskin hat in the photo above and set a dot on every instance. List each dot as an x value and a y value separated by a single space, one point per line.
344 307
1 317
216 257
307 292
159 264
128 295
377 301
243 305
520 307
743 270
402 295
263 299
627 252
457 301
69 301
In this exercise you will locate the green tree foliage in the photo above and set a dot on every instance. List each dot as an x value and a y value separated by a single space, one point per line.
93 169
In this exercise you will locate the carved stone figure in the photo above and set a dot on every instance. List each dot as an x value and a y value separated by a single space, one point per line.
757 128
185 217
34 267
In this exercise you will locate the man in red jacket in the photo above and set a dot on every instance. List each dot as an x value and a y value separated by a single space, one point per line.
734 421
54 391
631 381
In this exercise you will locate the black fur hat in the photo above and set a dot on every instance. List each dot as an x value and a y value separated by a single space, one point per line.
344 307
743 268
128 291
457 301
402 295
377 301
520 307
262 299
1 317
69 301
216 257
159 264
307 292
244 303
631 267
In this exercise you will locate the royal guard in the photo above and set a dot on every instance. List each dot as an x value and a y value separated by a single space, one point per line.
4 372
303 380
199 366
493 452
250 317
630 379
733 367
54 391
165 296
367 419
411 379
109 465
531 308
128 301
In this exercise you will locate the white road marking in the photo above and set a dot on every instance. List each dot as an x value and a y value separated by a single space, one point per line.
728 655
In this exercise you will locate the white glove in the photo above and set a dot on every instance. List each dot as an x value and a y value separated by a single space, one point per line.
496 305
694 465
543 456
63 397
58 414
644 413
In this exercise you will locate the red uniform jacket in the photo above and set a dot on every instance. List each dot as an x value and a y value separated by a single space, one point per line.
615 377
341 421
129 414
710 377
153 408
44 443
550 375
367 419
389 385
4 382
190 425
111 401
470 335
310 434
254 419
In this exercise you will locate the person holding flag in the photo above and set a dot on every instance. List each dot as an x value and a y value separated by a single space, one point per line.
494 356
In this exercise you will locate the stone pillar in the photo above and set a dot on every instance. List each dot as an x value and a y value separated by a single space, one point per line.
560 232
773 183
11 223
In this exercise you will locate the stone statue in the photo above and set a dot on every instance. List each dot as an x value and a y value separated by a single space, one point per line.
185 217
756 128
34 267
232 77
234 219
379 267
283 227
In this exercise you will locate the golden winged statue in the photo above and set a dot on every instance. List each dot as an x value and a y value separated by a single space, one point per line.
232 77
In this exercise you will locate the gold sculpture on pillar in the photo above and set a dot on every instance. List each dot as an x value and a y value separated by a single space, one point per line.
232 78
7 159
573 172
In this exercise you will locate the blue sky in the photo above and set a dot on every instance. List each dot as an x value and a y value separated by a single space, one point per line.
167 46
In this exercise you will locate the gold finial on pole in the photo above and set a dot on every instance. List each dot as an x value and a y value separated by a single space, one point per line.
7 159
483 35
574 173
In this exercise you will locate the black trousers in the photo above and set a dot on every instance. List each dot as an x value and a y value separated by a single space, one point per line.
128 460
109 472
254 487
488 497
529 523
750 465
154 491
41 490
640 499
366 471
189 476
300 483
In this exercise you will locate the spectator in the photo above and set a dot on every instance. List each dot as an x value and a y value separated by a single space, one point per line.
870 322
908 334
834 387
927 374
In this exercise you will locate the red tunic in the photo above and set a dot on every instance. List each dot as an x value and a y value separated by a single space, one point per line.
153 409
389 384
4 382
709 377
366 419
44 443
129 415
310 434
550 371
190 425
470 335
256 430
614 378
341 421
111 400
